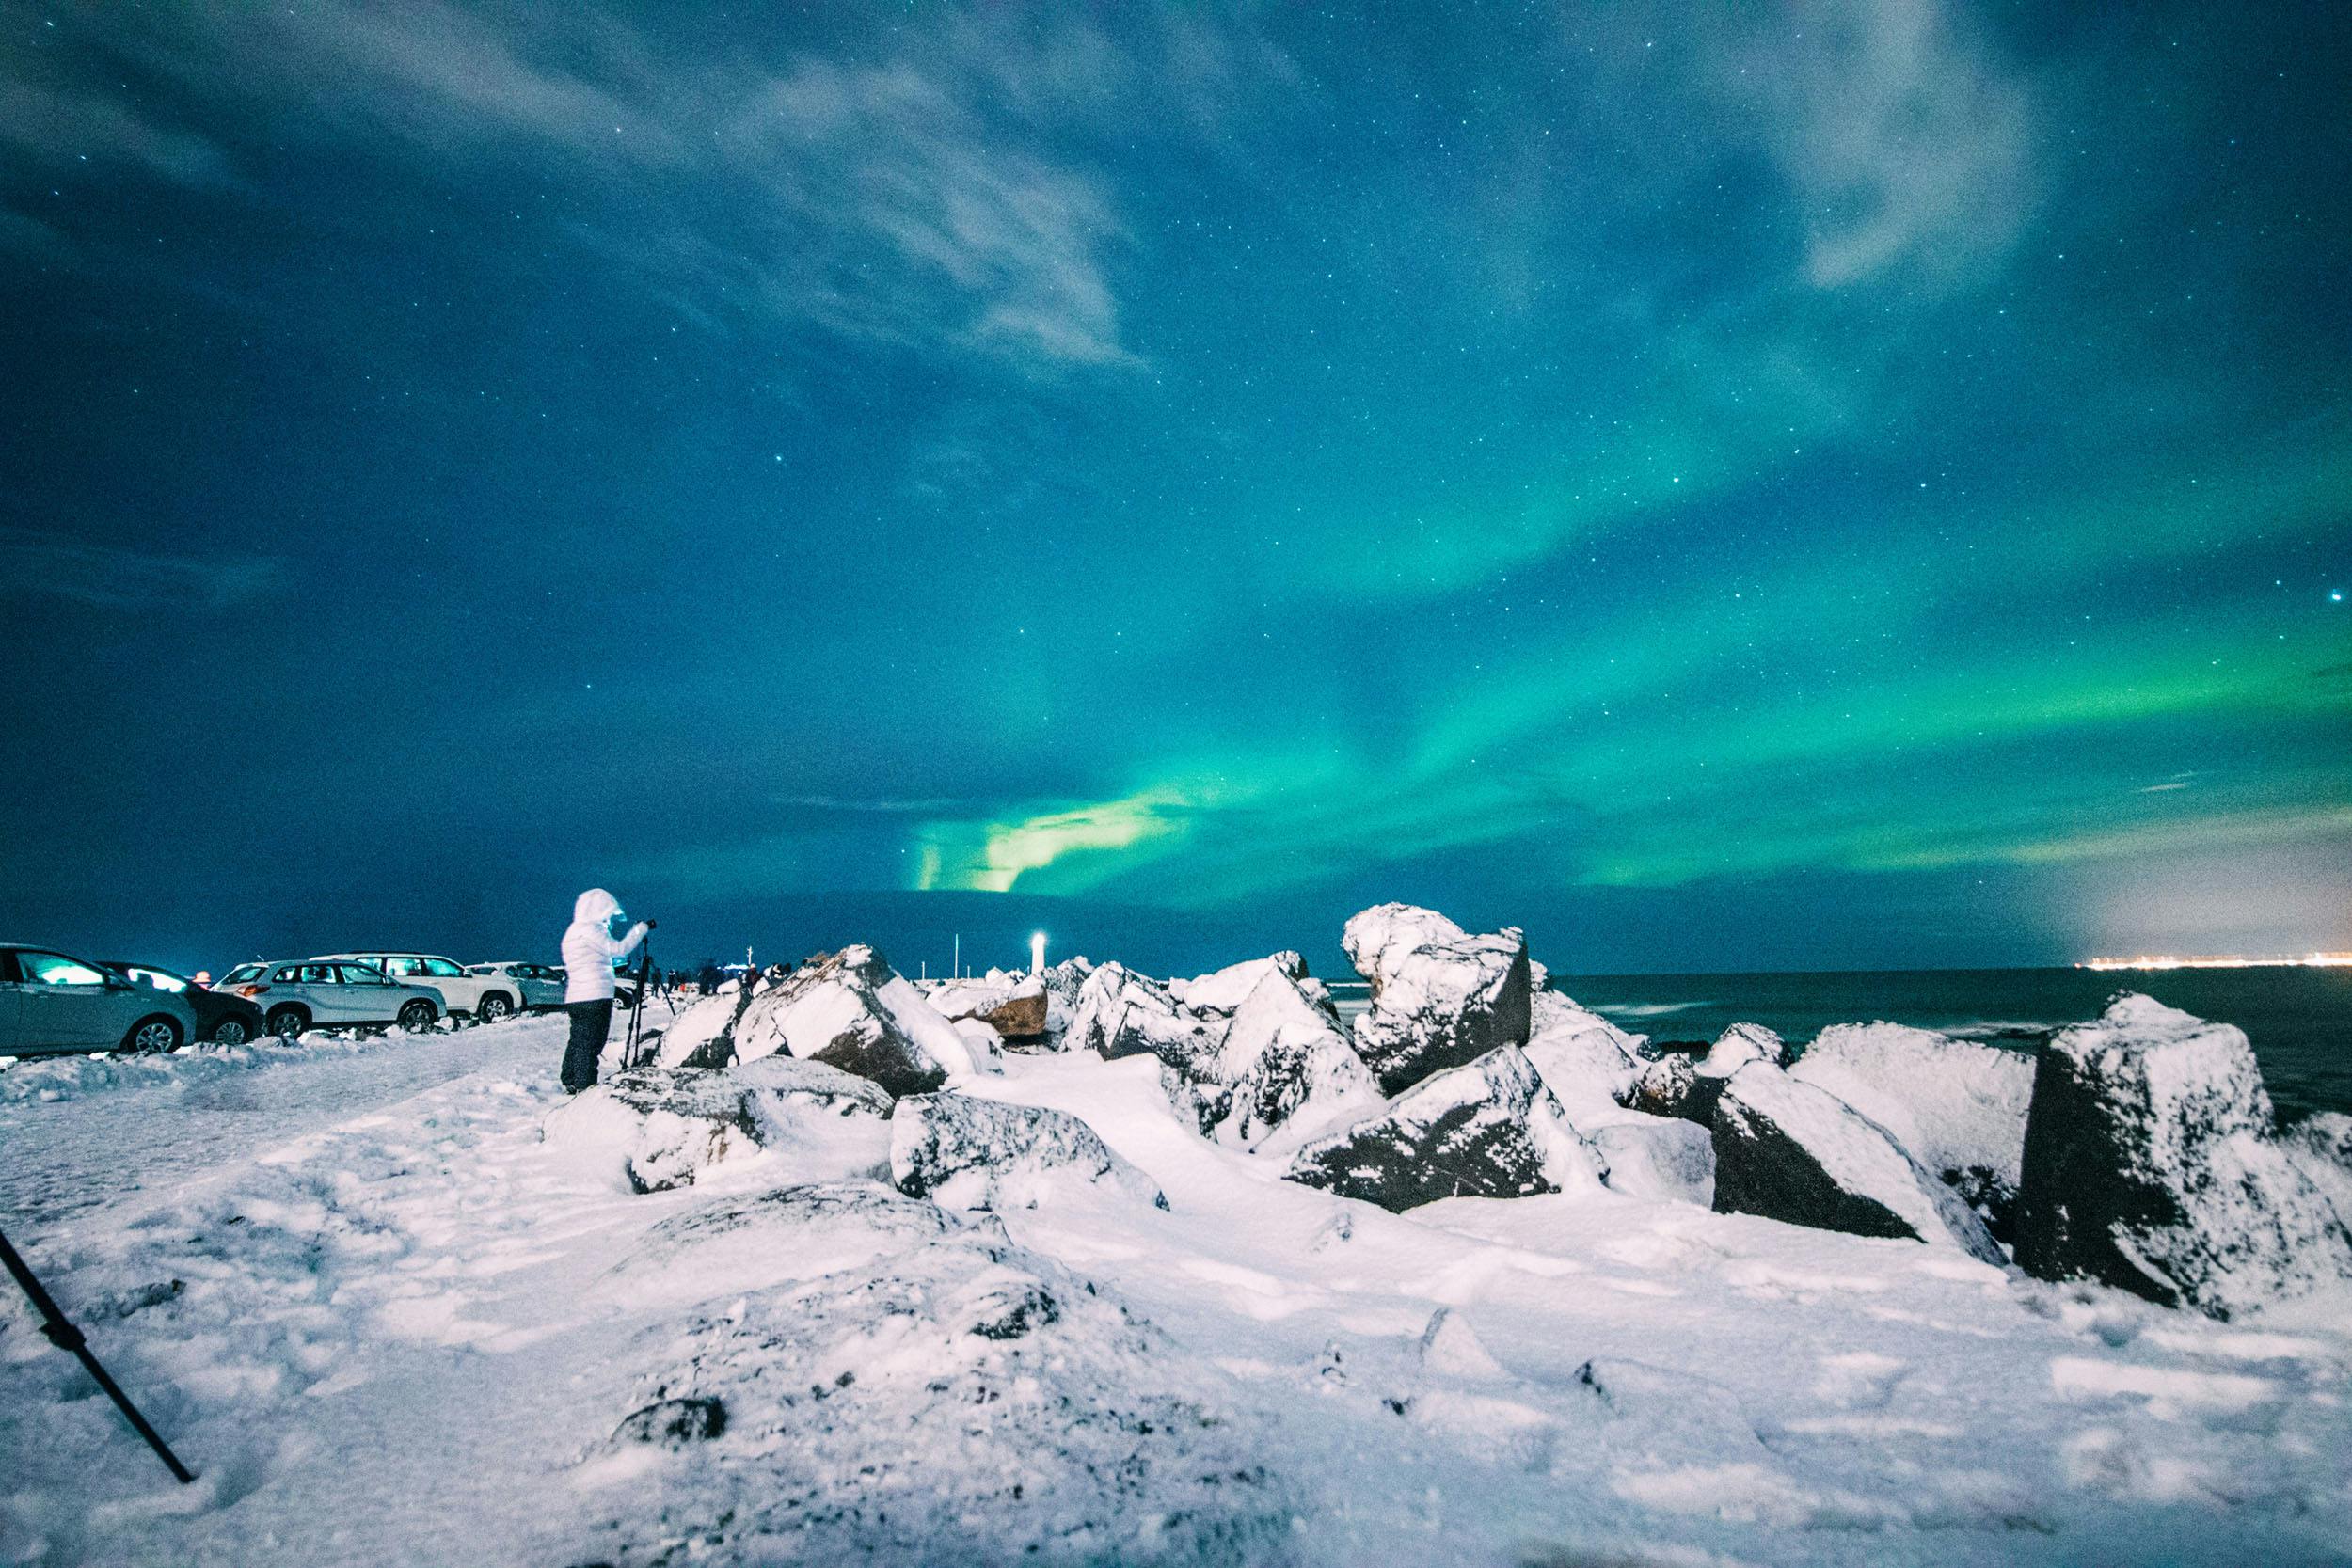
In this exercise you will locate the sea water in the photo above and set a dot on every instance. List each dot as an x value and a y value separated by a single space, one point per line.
2298 1020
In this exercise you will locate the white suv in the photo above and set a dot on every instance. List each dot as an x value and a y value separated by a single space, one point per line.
486 997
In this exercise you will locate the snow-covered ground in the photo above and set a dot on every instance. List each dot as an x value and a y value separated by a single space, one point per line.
388 1325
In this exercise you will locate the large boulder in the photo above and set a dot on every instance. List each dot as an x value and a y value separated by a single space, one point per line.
1286 1071
1121 1013
755 1241
849 1010
1680 1084
703 1035
1440 996
652 1129
1664 1159
1789 1151
958 1401
2151 1164
1590 1062
969 1153
1014 1006
1956 1106
1488 1128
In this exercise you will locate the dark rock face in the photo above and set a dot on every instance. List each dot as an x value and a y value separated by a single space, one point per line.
1956 1106
1285 1062
1440 996
1121 1013
1016 1008
1669 1086
703 1035
966 1152
849 1010
2151 1166
1788 1152
1486 1130
673 1423
1687 1086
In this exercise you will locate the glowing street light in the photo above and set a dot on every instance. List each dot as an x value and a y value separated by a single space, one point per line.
1037 953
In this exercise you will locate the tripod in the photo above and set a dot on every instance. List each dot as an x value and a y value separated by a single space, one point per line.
637 1014
63 1335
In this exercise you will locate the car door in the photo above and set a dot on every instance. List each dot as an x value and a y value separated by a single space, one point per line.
372 996
545 986
66 1004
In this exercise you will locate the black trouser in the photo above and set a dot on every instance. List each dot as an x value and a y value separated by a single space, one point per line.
591 1022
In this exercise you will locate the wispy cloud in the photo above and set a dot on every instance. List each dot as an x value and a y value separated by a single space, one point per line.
43 126
896 193
1908 149
35 564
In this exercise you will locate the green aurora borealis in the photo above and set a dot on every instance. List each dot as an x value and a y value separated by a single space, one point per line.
1842 484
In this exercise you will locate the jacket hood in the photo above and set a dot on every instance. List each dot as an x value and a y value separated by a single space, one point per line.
594 906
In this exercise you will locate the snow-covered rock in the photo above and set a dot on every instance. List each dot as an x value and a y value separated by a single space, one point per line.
1956 1106
1014 1006
1789 1151
2151 1164
969 1153
1121 1013
704 1034
1450 1349
652 1129
849 1010
1679 1083
1586 1060
1286 1070
1440 997
758 1240
961 1401
1225 990
2321 1148
1488 1128
1664 1159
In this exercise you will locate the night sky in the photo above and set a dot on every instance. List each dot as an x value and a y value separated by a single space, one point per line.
1817 485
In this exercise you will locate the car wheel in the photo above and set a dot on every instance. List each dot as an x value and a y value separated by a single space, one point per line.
150 1035
231 1031
287 1023
493 1007
417 1015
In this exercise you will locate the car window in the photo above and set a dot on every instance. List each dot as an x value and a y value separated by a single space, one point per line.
286 974
241 973
440 967
56 969
322 975
359 974
157 978
403 966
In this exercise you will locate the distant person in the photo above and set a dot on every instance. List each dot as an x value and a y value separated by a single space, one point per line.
589 949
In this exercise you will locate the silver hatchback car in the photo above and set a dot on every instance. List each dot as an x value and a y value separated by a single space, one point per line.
52 1002
319 994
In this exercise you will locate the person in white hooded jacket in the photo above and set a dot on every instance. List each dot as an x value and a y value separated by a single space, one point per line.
589 949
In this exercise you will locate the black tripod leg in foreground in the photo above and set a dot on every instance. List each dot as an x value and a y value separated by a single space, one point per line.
66 1337
637 1014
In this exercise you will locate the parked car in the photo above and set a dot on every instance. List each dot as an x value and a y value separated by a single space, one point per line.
50 1001
486 998
540 986
296 995
220 1017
